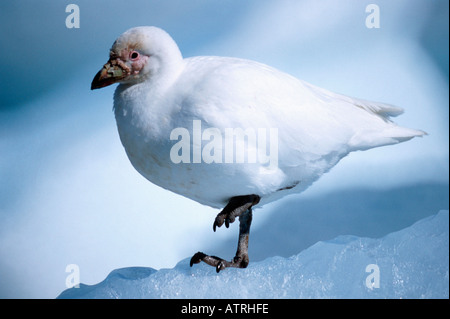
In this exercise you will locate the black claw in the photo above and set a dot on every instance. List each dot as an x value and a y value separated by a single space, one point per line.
218 222
198 257
220 266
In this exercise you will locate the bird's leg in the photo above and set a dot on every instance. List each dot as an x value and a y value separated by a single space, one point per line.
239 206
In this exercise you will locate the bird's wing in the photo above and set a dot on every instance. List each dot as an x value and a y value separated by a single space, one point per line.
313 124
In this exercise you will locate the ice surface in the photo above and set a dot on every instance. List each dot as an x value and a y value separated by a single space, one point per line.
411 263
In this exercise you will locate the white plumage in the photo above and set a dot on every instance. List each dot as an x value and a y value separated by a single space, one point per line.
160 91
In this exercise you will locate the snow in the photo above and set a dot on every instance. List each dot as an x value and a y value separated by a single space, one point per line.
410 263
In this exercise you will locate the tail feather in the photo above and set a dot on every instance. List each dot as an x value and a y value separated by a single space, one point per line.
377 133
387 134
393 135
383 110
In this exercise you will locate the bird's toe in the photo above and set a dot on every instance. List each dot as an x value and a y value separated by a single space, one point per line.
198 257
223 218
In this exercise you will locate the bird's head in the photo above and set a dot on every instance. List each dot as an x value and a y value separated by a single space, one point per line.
137 55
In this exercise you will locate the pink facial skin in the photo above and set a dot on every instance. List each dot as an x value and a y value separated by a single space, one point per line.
137 59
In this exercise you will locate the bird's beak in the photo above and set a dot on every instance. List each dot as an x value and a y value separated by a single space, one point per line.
112 72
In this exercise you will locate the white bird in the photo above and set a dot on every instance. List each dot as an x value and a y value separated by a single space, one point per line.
232 132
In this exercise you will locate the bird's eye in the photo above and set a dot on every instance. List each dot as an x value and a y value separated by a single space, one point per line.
134 55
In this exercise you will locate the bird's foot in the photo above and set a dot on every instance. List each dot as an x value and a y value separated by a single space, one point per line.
235 207
239 206
219 263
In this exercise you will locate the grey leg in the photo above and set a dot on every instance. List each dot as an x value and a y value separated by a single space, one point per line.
239 206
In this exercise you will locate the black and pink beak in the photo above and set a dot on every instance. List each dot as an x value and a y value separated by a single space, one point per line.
112 72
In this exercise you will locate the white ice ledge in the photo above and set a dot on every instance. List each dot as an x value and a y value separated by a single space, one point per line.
411 263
